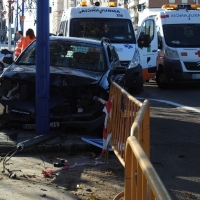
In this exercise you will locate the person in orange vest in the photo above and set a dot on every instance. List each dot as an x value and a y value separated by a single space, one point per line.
18 48
30 37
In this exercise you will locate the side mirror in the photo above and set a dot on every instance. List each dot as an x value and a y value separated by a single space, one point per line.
144 41
8 60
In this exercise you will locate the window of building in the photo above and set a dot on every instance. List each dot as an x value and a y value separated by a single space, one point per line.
171 1
184 1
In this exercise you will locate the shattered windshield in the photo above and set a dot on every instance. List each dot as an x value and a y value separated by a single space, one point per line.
66 54
182 35
117 30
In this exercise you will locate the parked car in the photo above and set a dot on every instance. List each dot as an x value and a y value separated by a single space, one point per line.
81 71
4 52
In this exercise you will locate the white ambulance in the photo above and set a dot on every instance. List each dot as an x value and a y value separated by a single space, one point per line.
92 22
174 52
113 23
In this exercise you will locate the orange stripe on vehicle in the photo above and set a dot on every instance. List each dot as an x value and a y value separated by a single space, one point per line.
146 75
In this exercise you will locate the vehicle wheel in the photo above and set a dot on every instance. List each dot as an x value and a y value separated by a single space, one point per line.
138 89
161 80
1 67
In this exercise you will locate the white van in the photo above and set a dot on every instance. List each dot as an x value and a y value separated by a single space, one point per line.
174 52
89 22
111 22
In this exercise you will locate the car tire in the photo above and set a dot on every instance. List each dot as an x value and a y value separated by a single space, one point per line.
1 67
161 80
138 89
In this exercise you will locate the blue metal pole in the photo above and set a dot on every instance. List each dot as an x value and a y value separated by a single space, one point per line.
42 68
22 22
17 17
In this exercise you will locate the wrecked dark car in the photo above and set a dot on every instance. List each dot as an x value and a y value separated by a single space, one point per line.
81 71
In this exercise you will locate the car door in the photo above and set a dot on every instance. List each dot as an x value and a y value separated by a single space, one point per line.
115 66
149 54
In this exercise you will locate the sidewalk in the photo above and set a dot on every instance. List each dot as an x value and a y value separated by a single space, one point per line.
86 181
68 143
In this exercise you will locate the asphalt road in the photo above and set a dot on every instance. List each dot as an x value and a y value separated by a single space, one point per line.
187 95
174 127
175 131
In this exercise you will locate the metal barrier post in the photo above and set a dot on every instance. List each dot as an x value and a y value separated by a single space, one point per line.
138 163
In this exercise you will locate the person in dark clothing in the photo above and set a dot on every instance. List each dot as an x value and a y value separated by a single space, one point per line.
104 31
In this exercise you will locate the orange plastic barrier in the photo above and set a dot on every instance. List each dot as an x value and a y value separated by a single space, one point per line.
125 109
129 124
141 180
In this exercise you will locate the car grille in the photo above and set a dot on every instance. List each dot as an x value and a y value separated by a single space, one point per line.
192 66
124 63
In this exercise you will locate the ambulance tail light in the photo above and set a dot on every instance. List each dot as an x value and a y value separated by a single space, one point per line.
83 3
164 16
111 4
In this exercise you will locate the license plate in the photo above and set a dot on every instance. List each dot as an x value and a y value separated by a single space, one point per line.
32 126
195 76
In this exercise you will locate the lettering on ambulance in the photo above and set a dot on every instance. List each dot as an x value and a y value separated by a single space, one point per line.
99 10
128 46
185 15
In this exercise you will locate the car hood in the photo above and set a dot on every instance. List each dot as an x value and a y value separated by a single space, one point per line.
59 76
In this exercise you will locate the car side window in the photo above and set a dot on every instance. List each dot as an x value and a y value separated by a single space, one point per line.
113 57
29 55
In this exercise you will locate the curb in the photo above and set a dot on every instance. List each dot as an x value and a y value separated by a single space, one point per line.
64 143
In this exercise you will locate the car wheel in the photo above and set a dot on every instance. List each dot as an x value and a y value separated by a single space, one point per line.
138 89
161 79
1 67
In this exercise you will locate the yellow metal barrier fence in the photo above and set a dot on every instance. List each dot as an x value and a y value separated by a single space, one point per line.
130 127
125 110
141 180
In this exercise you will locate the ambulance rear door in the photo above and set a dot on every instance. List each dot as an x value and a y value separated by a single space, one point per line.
148 55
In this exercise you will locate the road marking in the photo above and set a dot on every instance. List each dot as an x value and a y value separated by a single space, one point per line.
174 104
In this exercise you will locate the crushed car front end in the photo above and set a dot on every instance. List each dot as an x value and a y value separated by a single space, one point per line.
76 87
